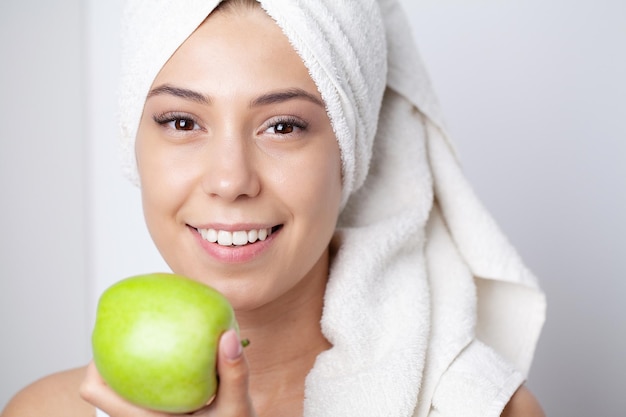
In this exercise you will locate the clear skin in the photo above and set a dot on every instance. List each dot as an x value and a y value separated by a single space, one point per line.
247 161
259 153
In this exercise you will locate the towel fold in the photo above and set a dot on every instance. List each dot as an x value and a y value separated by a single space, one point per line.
423 283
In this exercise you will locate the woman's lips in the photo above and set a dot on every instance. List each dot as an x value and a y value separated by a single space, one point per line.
234 246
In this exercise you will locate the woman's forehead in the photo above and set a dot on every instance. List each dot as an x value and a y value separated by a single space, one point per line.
230 50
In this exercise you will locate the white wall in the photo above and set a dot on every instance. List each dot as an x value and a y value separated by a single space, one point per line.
535 96
535 100
43 183
121 246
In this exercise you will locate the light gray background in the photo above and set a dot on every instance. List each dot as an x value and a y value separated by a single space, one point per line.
535 99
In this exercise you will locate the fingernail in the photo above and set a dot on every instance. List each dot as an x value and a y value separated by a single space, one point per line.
231 345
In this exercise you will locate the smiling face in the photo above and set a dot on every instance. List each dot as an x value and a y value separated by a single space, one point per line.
240 170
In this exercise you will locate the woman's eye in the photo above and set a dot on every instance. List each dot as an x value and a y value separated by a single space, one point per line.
285 127
176 122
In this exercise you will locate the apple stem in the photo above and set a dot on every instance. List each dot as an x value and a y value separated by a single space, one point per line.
245 342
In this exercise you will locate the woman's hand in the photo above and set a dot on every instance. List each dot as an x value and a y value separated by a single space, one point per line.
232 399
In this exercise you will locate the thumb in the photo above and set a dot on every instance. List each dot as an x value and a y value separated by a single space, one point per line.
232 393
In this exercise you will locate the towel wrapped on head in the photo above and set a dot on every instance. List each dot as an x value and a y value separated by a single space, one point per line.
428 307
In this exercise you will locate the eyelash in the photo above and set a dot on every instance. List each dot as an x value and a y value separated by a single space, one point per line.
166 118
288 121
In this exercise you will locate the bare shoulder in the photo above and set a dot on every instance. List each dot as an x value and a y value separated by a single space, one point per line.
55 395
523 404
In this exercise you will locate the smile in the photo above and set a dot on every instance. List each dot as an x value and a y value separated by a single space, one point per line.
236 238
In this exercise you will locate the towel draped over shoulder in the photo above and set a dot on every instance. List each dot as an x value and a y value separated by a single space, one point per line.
428 307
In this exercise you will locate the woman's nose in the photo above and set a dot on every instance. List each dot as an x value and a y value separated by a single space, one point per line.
230 169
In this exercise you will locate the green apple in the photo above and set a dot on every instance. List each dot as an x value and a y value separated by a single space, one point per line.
155 340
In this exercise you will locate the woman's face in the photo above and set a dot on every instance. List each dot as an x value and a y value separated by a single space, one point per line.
234 144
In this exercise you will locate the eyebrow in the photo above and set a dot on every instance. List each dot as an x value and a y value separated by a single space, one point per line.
285 95
179 92
263 100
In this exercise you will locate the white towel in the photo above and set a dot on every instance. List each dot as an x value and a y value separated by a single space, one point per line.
424 289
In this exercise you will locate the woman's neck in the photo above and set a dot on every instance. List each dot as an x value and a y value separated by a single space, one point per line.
285 339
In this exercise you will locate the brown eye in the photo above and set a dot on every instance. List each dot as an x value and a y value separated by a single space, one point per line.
177 122
283 128
184 124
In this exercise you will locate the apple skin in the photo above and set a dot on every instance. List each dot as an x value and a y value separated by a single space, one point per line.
155 340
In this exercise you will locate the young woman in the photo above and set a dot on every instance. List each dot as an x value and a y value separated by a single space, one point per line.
291 155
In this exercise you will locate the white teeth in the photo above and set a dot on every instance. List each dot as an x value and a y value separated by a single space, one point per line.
240 238
224 238
237 238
